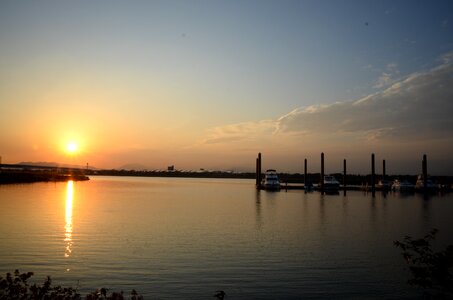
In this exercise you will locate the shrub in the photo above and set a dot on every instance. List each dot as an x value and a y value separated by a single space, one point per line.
430 270
17 287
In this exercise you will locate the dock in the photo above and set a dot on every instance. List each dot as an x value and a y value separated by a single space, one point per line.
316 180
12 174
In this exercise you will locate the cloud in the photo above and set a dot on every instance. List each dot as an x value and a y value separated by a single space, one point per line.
383 80
418 107
447 58
388 76
247 131
411 117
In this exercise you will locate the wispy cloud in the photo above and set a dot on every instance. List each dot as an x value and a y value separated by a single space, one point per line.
388 76
419 107
239 132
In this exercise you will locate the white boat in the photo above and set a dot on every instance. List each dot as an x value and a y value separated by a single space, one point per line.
271 181
331 183
402 186
384 184
420 184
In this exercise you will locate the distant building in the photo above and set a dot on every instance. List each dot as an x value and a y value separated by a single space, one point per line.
171 168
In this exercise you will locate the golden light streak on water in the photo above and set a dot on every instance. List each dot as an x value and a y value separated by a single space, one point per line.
68 218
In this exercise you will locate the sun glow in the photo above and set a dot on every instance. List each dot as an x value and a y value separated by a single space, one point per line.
71 147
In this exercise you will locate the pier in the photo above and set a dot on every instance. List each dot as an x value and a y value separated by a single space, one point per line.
370 184
19 173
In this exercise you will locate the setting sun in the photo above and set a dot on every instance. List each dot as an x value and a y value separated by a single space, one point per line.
71 147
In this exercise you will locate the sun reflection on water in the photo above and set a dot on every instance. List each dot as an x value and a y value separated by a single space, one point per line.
68 219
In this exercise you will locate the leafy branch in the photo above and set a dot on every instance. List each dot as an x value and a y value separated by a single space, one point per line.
430 270
16 287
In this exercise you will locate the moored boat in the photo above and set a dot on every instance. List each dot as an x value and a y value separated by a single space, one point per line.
331 183
402 186
271 180
430 185
384 184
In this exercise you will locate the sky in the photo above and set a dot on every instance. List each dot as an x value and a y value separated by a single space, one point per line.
209 84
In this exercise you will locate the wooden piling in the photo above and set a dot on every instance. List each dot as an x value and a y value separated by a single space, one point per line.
258 171
305 173
373 175
383 169
322 172
425 171
344 176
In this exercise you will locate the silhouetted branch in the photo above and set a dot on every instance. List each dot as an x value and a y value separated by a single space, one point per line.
430 270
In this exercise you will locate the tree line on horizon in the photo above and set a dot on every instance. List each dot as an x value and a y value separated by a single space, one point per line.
351 179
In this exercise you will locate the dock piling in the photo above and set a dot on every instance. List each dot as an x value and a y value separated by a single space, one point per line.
373 175
344 176
305 174
425 172
258 171
322 172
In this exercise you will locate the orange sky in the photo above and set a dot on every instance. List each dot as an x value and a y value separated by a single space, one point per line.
209 85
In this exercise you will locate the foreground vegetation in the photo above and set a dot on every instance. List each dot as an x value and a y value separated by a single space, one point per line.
430 270
16 287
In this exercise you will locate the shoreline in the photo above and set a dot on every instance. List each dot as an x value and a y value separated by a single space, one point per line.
14 177
288 181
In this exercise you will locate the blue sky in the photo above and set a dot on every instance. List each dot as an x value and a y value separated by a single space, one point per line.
177 71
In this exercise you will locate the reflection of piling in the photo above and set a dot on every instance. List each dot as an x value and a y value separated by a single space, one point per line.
322 172
344 176
305 173
373 175
425 172
258 171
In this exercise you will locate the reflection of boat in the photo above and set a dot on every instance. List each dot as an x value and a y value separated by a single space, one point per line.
402 186
420 184
271 181
331 183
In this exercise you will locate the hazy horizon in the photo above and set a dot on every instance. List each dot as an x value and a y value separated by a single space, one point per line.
209 84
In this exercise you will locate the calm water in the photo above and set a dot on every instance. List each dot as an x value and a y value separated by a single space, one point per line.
186 238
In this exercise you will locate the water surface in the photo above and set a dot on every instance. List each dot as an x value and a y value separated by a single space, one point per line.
186 238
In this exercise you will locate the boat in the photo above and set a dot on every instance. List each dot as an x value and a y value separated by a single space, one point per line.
271 181
331 183
402 186
384 185
420 184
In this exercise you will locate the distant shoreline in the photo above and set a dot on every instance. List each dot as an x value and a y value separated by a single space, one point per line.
351 179
28 176
8 176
